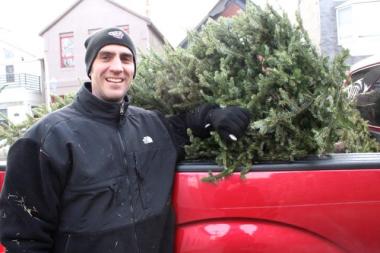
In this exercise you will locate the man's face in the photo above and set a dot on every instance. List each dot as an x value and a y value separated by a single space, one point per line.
112 73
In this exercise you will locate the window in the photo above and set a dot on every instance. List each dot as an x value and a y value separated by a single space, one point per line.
367 21
124 27
357 26
3 117
10 73
8 54
67 50
344 23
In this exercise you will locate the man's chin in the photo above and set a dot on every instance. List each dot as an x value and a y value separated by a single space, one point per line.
115 97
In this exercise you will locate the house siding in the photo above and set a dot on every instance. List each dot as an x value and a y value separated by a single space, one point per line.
329 38
362 33
154 42
23 62
310 13
319 20
231 10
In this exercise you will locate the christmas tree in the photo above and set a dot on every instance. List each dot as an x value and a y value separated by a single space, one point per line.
258 60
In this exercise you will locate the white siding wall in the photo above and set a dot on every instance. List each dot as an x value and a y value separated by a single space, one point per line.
18 103
22 61
155 43
310 15
359 31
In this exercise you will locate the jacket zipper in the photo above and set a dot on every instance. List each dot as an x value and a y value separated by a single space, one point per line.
122 112
67 243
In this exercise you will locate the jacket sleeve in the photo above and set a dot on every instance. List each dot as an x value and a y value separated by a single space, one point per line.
195 119
29 201
178 132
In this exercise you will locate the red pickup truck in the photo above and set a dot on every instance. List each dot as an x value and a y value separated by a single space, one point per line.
329 204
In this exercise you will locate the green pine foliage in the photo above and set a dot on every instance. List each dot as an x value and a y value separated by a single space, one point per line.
260 61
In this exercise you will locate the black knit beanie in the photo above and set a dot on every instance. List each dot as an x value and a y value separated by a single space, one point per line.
105 37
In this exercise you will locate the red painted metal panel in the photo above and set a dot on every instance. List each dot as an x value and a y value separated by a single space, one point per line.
289 211
341 206
240 236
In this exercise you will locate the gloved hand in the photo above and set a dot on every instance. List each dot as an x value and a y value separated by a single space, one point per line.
230 122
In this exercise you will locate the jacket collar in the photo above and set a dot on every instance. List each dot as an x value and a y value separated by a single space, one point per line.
95 107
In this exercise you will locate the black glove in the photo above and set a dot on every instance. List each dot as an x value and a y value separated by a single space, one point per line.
198 120
230 122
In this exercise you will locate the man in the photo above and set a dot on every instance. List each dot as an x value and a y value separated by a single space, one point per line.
96 176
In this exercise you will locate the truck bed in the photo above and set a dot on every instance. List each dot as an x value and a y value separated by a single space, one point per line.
328 204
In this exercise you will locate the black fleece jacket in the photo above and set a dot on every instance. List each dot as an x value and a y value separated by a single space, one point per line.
92 177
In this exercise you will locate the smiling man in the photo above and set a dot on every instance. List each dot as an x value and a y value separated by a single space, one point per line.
96 176
112 72
111 65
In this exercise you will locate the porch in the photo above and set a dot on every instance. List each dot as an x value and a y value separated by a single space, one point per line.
22 80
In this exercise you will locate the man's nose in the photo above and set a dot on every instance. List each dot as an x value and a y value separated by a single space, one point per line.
116 65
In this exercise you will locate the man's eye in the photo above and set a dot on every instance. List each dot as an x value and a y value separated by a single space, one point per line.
105 57
127 59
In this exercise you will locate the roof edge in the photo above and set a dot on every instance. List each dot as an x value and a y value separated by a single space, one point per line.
60 17
19 48
158 33
129 10
146 19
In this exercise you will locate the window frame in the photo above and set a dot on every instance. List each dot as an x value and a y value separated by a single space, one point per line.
10 73
63 36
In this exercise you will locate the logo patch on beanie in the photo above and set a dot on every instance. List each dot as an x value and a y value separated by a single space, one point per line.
117 34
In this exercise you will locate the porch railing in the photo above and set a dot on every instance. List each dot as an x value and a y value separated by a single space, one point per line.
28 81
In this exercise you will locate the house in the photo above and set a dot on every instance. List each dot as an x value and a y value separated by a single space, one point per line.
64 39
223 8
21 85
